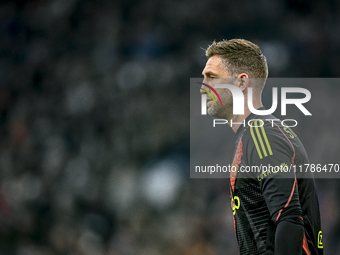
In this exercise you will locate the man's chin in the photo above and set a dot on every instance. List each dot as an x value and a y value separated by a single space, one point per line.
213 113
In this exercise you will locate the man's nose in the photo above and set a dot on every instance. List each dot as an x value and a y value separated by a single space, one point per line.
204 88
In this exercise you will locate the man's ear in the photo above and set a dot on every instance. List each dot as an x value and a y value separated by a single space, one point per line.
243 81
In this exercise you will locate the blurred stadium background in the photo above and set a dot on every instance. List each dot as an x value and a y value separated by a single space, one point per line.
94 120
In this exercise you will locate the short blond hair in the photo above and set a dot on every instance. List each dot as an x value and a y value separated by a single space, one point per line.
240 56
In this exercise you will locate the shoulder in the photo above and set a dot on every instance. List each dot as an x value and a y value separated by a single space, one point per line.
265 137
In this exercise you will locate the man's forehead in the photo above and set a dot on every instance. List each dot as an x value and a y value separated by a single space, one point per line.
213 65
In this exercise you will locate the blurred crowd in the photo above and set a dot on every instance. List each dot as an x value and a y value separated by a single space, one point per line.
94 120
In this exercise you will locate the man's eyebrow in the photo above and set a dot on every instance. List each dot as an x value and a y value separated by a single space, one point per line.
209 73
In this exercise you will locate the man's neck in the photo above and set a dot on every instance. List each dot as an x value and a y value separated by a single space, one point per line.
237 120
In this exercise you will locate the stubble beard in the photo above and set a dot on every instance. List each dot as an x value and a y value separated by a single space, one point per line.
221 112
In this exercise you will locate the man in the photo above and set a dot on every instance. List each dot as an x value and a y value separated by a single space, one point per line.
275 211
